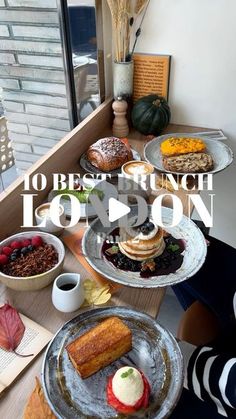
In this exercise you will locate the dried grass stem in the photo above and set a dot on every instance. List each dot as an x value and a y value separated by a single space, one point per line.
124 14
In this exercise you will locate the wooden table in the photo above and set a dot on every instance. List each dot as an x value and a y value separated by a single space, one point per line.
38 306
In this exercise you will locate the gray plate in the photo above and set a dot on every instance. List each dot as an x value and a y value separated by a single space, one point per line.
220 152
194 254
155 352
89 168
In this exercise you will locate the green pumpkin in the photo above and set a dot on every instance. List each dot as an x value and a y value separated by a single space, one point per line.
151 114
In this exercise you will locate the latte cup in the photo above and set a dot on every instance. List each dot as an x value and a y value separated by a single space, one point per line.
68 292
136 179
42 214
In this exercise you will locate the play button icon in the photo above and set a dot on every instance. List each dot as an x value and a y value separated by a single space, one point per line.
117 210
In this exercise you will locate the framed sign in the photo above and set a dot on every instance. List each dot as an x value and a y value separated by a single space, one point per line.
151 75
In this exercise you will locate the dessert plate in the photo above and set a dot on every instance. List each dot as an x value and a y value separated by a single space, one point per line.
220 152
154 351
194 253
89 168
87 210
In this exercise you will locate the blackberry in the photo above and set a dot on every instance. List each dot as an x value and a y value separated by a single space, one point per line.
115 259
24 250
16 252
150 226
166 262
133 266
119 256
119 264
144 229
159 263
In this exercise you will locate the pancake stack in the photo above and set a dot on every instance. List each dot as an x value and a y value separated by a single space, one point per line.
139 246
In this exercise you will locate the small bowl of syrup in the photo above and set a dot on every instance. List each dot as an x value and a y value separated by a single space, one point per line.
68 292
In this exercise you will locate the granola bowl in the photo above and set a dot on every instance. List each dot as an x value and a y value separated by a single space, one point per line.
37 252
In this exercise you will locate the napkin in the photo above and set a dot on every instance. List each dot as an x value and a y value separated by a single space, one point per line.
74 243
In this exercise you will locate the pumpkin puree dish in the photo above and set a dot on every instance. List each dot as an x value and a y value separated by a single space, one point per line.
174 146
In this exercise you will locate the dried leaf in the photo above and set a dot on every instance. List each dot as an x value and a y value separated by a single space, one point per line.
95 295
37 407
88 284
11 328
99 291
102 300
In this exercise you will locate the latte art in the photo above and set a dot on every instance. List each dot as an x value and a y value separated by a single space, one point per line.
135 168
44 211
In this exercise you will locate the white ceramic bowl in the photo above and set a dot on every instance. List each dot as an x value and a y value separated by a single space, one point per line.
36 282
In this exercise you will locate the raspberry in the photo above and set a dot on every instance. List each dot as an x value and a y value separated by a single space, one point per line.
36 241
3 259
16 244
6 250
26 242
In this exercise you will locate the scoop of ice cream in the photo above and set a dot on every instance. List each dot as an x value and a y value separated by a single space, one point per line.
127 385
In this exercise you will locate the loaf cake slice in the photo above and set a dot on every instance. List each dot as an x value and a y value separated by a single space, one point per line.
189 163
100 346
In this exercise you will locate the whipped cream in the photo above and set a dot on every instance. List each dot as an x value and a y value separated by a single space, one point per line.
139 235
128 390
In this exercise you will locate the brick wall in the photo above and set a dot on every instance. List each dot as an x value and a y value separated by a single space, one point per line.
32 77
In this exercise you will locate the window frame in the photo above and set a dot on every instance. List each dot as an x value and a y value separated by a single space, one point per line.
63 14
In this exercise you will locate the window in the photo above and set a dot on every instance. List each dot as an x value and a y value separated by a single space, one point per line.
49 74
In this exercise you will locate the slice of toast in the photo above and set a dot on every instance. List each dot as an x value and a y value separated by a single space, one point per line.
100 346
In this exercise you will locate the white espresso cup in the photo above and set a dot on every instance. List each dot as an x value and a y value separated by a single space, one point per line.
42 215
136 178
68 292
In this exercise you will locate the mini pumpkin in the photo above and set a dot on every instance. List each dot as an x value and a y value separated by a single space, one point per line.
151 114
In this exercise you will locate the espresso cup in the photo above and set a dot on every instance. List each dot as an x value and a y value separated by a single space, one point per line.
136 179
42 213
68 292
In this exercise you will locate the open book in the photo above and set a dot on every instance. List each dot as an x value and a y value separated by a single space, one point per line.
34 340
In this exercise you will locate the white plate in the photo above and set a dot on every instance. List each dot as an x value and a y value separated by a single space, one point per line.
87 210
194 253
220 152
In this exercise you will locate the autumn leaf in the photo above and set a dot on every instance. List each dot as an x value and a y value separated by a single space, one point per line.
102 298
95 295
12 328
37 407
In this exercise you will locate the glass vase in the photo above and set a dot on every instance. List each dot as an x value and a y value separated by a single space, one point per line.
123 79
